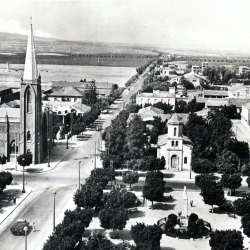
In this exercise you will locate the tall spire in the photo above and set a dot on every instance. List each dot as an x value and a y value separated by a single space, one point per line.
30 68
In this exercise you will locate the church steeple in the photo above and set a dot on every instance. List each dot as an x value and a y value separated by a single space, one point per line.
30 68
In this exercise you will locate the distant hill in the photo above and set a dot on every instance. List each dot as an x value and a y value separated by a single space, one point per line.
62 52
17 43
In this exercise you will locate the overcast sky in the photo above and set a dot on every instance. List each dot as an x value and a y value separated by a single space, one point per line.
213 24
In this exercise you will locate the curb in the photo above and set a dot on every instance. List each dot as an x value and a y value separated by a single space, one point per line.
16 207
47 170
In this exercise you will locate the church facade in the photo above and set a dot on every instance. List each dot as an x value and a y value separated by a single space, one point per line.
28 128
175 147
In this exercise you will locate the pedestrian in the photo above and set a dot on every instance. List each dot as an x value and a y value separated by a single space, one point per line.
191 203
14 200
34 227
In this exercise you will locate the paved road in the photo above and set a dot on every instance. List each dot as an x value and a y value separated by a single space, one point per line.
38 207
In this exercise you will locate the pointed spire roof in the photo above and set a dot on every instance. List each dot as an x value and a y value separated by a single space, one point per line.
30 68
175 119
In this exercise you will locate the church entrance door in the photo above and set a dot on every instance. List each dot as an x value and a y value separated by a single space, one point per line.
174 161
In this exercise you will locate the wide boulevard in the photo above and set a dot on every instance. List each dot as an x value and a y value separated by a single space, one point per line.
38 206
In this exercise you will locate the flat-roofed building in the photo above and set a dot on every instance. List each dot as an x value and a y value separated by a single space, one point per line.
152 98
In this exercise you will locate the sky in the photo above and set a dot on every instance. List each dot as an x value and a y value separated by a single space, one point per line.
216 25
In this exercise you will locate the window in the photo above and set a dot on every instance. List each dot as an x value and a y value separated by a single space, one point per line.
185 160
75 99
172 143
174 131
176 143
28 101
28 136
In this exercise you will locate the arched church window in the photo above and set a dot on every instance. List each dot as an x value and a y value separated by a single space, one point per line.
185 160
28 136
28 99
174 131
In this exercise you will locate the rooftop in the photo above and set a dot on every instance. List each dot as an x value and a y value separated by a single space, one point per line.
176 118
157 95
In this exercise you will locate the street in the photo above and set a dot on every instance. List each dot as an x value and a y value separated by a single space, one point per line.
38 207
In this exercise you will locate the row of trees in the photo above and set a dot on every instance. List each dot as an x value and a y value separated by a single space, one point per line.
130 145
214 146
218 75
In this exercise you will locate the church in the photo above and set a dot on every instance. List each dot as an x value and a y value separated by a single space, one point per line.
174 146
28 128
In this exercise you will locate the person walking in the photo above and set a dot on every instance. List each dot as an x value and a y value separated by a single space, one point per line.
34 227
191 203
14 200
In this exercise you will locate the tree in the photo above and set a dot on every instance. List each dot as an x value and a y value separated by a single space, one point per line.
146 237
186 84
90 94
213 195
78 127
241 149
137 140
120 198
202 165
171 222
226 240
159 128
70 231
245 221
3 160
231 181
241 206
151 163
204 180
165 106
220 130
5 179
25 159
113 218
228 162
130 177
89 196
97 242
153 189
100 176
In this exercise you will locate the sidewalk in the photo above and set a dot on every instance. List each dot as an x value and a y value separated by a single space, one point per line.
58 153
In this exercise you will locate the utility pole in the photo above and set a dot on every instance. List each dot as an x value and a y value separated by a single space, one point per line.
95 154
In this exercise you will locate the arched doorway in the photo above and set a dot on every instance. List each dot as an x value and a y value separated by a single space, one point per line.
12 147
44 136
174 161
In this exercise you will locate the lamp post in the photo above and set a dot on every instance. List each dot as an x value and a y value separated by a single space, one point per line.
25 231
48 153
23 191
54 214
79 162
67 126
95 154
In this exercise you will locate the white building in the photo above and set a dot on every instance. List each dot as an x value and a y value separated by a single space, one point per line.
203 66
245 115
175 147
156 96
243 69
195 79
239 91
195 69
